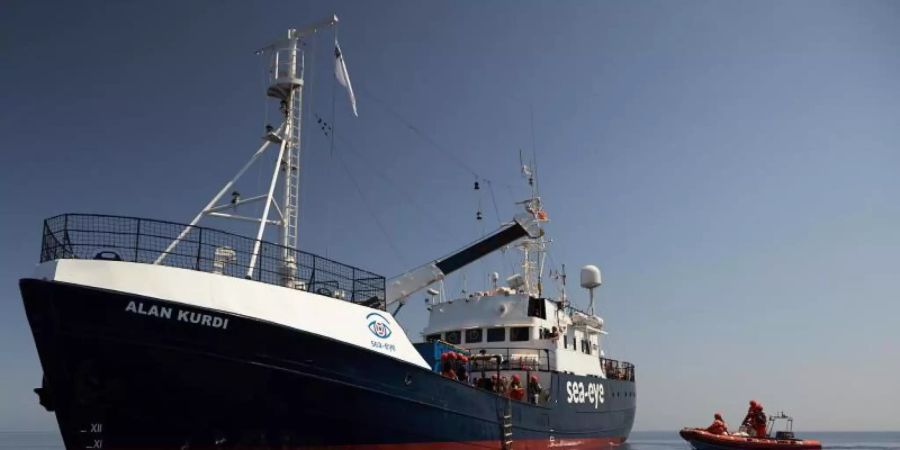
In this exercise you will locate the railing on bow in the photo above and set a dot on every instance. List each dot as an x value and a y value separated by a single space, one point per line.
93 236
617 370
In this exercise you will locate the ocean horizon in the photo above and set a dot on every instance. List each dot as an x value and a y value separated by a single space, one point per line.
638 440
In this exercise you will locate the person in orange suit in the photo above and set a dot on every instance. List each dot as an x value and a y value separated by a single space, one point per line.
718 426
447 365
516 391
747 423
759 421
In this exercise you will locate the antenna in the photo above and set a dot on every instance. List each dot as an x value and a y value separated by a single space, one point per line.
533 248
286 72
432 295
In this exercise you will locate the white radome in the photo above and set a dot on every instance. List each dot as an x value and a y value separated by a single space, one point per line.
590 277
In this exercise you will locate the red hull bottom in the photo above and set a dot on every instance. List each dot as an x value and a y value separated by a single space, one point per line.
524 444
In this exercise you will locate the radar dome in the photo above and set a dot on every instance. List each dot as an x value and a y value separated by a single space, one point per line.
590 277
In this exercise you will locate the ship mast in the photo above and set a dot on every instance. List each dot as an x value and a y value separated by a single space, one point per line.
286 68
534 249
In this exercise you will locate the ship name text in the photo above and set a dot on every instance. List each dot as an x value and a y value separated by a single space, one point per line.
577 393
180 315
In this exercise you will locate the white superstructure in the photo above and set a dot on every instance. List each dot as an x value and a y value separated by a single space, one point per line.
518 322
524 327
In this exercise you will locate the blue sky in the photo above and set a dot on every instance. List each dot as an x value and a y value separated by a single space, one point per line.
731 166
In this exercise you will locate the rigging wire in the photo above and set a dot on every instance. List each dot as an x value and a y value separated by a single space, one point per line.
328 129
534 164
333 90
450 156
503 254
367 204
424 136
493 200
264 83
373 168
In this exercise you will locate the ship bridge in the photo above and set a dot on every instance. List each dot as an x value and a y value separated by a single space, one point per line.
527 332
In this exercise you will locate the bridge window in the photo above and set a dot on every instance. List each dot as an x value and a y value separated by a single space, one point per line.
537 308
453 337
519 334
474 336
433 337
496 334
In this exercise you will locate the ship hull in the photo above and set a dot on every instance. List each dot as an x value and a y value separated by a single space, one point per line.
124 371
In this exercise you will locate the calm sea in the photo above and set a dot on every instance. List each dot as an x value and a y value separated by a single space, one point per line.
639 440
668 440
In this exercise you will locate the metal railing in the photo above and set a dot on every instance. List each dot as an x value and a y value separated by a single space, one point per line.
93 236
617 370
529 359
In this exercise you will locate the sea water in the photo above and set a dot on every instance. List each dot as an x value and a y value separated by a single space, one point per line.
639 440
670 440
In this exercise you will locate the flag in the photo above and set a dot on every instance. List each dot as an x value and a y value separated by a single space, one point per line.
340 72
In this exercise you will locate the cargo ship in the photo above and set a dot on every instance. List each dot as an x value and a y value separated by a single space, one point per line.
162 335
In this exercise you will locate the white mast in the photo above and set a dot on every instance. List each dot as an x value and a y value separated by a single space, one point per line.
286 71
533 248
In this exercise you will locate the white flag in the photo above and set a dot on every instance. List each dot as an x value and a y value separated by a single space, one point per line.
340 71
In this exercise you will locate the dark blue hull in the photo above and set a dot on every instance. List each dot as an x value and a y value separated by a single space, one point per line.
122 381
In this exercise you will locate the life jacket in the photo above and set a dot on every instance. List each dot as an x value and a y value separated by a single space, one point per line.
717 427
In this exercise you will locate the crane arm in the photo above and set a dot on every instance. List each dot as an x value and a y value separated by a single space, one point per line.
402 286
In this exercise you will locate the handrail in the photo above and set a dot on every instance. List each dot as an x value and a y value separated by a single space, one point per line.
132 239
617 370
515 358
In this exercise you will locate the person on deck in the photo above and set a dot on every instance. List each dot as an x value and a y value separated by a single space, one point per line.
718 426
534 390
516 392
504 386
461 372
554 334
447 366
487 383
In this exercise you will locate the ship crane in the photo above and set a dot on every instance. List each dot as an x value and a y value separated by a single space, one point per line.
402 286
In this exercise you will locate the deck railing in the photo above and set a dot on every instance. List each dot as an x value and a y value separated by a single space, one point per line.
617 370
93 236
530 359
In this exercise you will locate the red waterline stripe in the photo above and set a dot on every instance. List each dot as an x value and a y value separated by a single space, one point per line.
518 444
521 444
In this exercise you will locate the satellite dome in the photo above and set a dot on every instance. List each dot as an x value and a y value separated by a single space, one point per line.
590 277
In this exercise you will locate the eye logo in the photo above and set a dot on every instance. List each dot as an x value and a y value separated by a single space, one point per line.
378 325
